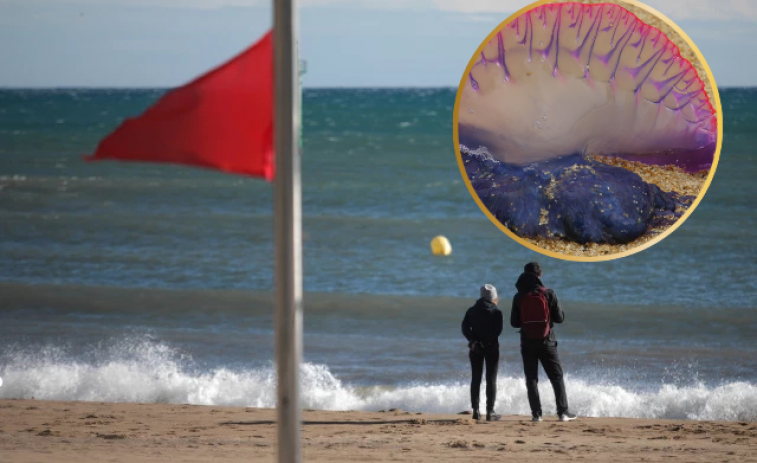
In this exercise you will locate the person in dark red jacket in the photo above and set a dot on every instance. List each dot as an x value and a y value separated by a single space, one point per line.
482 326
543 350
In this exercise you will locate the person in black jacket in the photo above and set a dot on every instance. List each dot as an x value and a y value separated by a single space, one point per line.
540 350
482 326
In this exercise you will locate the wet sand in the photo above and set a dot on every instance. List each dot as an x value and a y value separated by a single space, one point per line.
43 431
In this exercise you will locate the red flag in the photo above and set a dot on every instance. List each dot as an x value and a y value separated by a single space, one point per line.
221 120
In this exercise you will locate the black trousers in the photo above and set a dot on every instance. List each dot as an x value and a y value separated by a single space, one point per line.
489 356
536 352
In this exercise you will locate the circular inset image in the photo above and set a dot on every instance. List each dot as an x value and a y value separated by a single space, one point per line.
587 131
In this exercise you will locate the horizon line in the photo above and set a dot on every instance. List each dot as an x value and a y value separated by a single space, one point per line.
148 87
346 87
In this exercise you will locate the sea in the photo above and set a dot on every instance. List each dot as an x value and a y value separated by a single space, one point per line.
130 282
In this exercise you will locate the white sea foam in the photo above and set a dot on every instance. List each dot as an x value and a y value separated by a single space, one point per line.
481 153
152 372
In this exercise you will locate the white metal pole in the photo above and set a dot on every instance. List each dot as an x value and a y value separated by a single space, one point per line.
287 228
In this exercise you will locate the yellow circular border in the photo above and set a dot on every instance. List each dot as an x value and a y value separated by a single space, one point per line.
557 255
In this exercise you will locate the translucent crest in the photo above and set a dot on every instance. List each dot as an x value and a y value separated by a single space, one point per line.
569 78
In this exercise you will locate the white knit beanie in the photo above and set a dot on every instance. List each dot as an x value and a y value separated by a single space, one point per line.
489 292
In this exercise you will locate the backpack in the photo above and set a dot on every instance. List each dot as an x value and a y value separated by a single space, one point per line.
534 315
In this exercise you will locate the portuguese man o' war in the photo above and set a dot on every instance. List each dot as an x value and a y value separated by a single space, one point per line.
563 84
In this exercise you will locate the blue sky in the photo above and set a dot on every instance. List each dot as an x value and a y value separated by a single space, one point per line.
347 43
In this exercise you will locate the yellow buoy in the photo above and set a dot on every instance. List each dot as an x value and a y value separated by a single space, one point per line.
440 246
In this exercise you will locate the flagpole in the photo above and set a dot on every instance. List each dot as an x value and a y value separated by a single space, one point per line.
287 228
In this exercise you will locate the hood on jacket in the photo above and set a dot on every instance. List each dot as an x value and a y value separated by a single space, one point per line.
528 282
485 304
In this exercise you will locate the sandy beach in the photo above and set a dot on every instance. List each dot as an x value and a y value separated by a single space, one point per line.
46 431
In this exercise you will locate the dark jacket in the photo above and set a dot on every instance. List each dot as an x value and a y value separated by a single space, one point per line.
483 322
528 282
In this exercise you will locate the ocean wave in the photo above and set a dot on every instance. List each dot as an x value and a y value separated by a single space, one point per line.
148 371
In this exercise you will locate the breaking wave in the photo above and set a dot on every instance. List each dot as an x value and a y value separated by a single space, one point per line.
152 372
